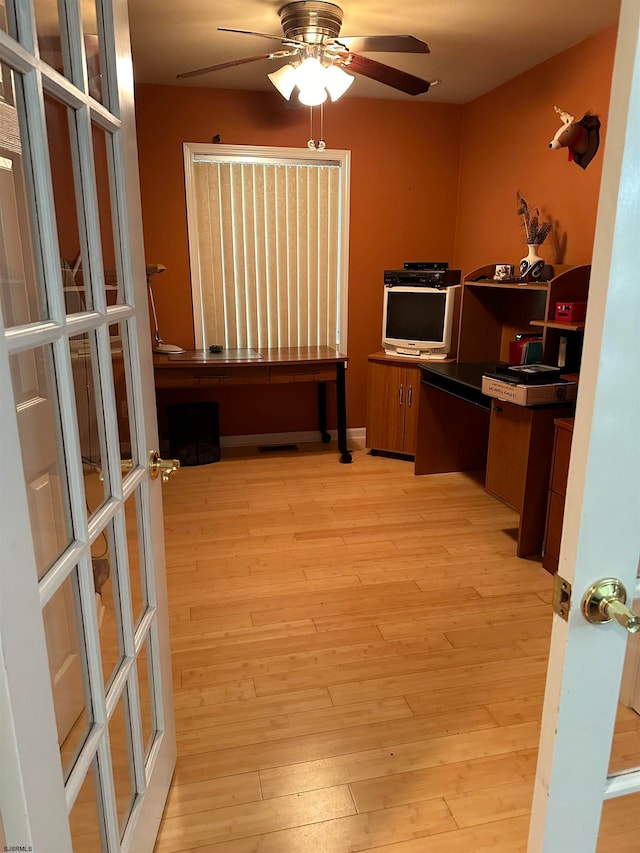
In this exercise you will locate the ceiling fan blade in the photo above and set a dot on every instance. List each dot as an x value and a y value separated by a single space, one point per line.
231 64
262 35
386 74
384 44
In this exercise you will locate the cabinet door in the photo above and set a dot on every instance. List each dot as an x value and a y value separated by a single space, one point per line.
412 396
386 393
509 437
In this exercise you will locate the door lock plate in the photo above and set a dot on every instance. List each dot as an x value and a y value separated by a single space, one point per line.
561 601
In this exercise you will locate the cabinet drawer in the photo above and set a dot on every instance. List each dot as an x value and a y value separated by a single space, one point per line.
561 454
213 377
175 378
312 373
218 376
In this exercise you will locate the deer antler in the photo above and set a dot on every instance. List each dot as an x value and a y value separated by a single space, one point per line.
567 118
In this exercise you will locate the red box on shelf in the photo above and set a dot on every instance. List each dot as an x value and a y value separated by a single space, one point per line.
570 312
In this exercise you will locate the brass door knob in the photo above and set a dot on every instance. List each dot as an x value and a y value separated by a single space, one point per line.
164 467
605 601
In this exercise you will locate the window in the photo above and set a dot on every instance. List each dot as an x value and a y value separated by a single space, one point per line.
268 237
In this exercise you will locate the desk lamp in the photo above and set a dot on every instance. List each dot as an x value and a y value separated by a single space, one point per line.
158 345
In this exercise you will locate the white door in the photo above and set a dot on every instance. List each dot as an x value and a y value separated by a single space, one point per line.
86 719
601 535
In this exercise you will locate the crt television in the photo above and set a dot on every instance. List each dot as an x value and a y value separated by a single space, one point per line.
418 321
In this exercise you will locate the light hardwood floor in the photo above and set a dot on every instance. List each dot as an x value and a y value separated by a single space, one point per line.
358 662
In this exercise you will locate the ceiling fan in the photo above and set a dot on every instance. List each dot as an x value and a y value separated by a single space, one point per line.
311 40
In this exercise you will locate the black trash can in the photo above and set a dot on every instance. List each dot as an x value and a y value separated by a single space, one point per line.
194 433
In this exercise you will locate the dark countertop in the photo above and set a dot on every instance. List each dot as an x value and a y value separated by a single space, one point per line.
467 373
462 379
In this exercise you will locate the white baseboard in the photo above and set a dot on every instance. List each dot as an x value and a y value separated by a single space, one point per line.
271 438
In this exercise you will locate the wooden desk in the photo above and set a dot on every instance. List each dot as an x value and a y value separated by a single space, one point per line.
461 429
232 367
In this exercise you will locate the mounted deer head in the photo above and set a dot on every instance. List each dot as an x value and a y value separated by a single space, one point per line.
566 133
580 137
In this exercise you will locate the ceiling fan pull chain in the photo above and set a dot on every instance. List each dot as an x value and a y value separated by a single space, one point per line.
311 145
321 143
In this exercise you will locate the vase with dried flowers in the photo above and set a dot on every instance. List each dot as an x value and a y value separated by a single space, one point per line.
535 232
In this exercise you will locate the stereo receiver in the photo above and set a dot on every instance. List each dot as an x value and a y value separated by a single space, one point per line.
421 278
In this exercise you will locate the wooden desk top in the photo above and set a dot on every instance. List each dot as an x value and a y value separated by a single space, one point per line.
255 358
463 373
383 357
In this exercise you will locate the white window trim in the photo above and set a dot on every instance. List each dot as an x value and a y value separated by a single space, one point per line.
247 154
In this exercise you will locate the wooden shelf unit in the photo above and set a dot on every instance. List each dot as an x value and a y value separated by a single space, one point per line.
494 312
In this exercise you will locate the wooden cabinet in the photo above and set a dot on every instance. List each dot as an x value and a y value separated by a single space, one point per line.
557 491
393 391
519 463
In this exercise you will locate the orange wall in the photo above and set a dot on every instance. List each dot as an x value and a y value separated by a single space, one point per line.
404 187
504 148
429 182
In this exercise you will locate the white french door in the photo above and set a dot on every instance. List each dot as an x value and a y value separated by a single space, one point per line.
601 535
87 738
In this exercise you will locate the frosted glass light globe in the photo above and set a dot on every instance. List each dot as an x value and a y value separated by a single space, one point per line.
312 96
337 81
284 79
310 73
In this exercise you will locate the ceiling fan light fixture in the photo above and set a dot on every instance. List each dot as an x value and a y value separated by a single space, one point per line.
312 96
285 80
337 81
311 73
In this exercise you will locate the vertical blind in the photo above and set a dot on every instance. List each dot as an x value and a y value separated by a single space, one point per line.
268 245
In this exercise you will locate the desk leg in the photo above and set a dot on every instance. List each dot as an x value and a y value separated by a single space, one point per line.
341 405
322 412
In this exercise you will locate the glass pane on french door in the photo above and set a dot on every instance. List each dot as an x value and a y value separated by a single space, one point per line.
68 316
87 828
625 749
620 823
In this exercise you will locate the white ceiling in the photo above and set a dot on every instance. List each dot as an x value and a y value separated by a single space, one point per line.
475 44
